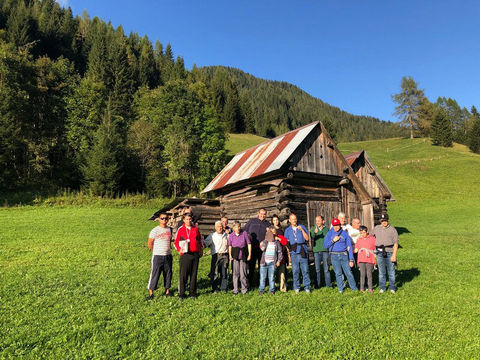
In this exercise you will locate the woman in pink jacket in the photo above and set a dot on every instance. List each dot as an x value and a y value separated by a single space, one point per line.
365 248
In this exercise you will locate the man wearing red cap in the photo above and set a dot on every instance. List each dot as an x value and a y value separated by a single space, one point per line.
339 245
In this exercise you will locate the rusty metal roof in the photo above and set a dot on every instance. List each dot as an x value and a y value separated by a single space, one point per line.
261 159
352 157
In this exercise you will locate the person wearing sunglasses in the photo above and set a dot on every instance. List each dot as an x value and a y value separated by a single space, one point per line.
159 243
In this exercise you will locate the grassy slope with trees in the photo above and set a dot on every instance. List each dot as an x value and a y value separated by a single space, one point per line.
74 282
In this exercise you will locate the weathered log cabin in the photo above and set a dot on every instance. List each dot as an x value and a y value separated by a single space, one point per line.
206 211
299 172
367 173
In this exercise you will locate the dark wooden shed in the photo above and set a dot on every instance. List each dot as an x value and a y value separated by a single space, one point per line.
299 172
368 174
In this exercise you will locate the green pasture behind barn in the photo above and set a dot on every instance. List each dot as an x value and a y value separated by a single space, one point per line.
73 282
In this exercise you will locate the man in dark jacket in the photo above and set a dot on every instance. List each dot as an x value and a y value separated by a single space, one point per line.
256 228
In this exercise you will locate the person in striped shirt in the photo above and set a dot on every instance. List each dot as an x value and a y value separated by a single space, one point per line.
159 244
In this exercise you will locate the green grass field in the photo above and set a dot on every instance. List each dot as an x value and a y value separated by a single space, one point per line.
240 142
73 282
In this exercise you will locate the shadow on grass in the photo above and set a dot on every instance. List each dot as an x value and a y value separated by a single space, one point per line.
402 230
406 275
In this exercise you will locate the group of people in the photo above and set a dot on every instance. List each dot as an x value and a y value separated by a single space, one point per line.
350 249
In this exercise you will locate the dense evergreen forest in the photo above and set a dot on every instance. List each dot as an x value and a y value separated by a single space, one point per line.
273 107
85 106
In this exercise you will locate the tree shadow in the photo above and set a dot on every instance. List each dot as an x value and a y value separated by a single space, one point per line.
406 275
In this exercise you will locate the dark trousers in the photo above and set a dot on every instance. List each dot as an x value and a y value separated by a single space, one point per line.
219 271
255 259
188 269
161 264
366 269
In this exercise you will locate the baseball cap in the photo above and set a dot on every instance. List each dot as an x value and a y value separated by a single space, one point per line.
384 217
335 222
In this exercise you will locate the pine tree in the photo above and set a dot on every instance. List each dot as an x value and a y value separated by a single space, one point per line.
442 132
19 24
474 133
85 111
457 117
408 100
102 170
248 114
426 112
167 71
147 71
119 79
179 72
97 56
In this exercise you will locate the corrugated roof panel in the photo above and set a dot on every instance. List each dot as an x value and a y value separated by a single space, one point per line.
222 173
254 162
260 159
300 135
352 157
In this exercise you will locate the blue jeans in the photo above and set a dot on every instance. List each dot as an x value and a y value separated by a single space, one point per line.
339 262
300 264
270 269
385 265
319 257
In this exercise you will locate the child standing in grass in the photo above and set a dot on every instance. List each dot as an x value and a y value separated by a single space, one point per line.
282 269
365 248
271 258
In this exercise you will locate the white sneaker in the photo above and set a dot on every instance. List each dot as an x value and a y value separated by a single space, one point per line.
307 291
297 291
382 291
392 291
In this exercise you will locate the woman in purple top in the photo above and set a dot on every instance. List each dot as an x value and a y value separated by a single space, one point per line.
240 250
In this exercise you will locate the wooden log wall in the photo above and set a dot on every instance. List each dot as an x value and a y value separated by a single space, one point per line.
209 214
298 192
245 205
290 196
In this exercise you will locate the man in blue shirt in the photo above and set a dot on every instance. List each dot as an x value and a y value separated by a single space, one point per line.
297 236
339 245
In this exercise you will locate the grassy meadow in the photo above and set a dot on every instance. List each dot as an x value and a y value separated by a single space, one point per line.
240 142
73 281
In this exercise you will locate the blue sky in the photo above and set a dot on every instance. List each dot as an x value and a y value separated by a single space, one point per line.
351 54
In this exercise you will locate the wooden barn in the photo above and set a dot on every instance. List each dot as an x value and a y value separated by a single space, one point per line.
299 172
206 211
367 173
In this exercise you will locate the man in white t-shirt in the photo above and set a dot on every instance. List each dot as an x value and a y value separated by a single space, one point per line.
217 241
353 230
354 233
159 242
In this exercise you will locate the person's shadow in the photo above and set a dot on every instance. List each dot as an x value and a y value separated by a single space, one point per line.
402 230
406 275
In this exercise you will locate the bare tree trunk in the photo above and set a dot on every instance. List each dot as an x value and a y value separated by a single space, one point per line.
411 126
